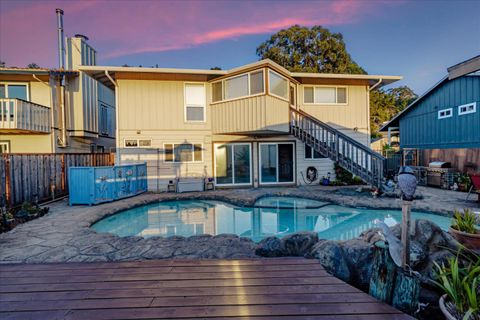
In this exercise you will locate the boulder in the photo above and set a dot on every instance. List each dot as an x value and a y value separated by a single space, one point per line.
359 257
299 243
270 247
330 255
417 254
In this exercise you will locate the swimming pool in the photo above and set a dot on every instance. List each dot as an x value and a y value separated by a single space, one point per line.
271 216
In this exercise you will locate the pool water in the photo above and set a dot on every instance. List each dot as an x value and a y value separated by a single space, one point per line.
271 216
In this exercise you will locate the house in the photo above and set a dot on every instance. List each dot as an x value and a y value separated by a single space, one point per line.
56 111
443 124
255 125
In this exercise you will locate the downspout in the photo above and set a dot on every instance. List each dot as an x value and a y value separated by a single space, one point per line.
60 85
52 117
117 130
369 129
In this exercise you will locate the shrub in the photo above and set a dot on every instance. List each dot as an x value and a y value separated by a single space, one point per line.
465 221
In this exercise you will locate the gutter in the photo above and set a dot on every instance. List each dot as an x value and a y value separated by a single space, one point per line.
376 84
117 130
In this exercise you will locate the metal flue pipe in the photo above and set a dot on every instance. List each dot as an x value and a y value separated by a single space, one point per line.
61 39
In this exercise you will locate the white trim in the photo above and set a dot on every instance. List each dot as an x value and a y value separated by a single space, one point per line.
277 171
248 86
461 113
288 86
13 83
180 143
185 84
323 103
233 144
450 110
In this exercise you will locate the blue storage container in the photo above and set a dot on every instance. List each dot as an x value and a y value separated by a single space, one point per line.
93 185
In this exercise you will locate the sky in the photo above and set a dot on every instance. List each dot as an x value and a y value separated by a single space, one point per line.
415 39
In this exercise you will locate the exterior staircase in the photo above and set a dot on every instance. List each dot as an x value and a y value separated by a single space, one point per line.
350 154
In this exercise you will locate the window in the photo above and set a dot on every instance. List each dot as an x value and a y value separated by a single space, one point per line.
292 95
14 90
467 108
103 119
309 155
244 85
138 143
278 85
445 113
325 95
4 147
183 152
233 163
277 162
195 102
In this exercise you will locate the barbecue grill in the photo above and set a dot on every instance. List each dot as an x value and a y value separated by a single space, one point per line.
435 172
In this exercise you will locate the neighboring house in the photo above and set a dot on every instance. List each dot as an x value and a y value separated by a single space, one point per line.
444 123
255 125
56 111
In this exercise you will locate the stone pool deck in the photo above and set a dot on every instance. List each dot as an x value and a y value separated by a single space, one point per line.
64 235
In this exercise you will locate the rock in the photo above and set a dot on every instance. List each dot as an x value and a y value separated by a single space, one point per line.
371 235
330 255
359 256
270 247
299 243
397 230
439 257
417 253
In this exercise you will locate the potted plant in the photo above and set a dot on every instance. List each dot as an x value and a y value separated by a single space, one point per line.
464 229
459 279
464 182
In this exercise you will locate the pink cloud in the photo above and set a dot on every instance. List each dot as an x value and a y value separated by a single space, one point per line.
28 31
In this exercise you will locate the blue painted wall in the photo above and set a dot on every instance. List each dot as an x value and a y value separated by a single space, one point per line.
421 128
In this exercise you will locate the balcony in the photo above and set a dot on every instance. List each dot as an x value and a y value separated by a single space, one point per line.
20 116
258 115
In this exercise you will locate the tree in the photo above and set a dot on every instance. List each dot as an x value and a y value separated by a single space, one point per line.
303 49
215 68
2 64
33 65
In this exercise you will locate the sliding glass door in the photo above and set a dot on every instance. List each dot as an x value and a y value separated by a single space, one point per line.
233 164
276 163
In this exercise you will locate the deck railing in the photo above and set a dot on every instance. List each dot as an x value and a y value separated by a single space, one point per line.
21 115
350 154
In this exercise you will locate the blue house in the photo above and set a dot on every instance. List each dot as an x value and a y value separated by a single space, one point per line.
443 124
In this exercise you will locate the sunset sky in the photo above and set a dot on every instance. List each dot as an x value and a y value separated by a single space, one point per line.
415 39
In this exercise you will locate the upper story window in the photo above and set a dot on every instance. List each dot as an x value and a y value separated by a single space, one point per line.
244 85
278 85
195 102
324 95
445 113
14 90
467 108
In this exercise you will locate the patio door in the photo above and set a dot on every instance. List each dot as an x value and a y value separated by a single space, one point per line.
233 164
277 163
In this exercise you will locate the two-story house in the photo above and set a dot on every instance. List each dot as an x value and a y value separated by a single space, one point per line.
255 125
56 111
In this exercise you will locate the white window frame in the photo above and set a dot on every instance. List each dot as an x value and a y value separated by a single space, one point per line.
312 158
248 85
445 116
260 163
322 103
180 143
185 84
138 143
6 84
461 113
6 144
288 87
233 164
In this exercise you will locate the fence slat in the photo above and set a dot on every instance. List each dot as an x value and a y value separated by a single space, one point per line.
22 176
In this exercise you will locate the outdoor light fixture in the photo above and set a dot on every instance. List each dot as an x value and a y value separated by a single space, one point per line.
407 183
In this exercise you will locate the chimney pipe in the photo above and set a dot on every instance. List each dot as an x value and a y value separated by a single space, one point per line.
61 39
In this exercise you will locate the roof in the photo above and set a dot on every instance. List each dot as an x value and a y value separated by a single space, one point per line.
14 70
394 122
99 73
464 67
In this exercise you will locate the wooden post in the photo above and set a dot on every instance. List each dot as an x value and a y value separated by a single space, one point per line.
8 187
383 273
406 293
406 206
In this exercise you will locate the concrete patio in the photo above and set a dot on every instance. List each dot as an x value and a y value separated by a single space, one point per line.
64 235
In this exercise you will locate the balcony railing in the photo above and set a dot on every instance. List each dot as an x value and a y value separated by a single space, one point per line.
17 115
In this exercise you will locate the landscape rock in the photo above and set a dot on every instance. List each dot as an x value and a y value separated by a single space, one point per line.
330 255
299 243
359 257
270 247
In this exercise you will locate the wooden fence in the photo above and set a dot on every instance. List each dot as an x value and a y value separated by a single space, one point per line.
26 177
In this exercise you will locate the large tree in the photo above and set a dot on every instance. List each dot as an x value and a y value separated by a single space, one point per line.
303 49
316 49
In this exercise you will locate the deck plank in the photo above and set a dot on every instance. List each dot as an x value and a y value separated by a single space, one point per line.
284 288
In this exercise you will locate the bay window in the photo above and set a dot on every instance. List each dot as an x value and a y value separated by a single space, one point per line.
240 86
278 85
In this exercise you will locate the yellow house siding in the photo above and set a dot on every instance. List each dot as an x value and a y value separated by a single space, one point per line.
24 143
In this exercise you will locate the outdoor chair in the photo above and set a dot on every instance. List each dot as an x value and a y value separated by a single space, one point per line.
475 185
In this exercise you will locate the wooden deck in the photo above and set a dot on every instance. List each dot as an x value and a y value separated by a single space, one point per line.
287 288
